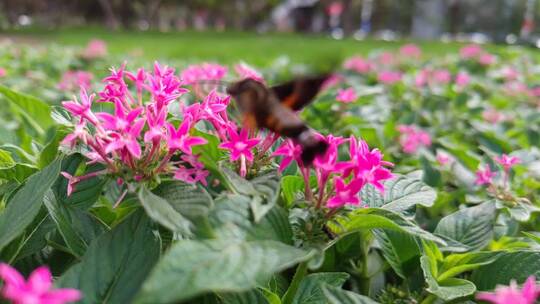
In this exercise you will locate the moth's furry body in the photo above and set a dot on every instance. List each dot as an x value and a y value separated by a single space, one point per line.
273 109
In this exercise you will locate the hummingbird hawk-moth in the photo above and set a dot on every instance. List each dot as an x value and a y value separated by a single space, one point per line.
273 108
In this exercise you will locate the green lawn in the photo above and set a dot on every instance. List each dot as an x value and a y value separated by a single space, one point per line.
230 46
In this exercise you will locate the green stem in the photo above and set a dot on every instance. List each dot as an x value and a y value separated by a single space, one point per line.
300 273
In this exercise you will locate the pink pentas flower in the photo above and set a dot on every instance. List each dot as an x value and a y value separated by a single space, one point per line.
156 125
180 139
470 51
82 108
127 139
245 71
389 77
240 145
358 64
73 80
37 289
96 48
195 74
410 50
510 73
386 58
3 72
484 176
412 138
422 78
367 164
486 59
443 158
493 116
442 76
513 294
79 134
345 194
507 162
462 79
290 152
346 95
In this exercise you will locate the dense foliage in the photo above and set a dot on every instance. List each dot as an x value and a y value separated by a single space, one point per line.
146 187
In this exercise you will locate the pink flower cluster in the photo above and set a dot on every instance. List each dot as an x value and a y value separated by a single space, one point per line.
138 140
475 52
37 289
347 95
410 51
389 77
513 294
359 65
195 74
95 49
485 176
339 181
412 138
73 80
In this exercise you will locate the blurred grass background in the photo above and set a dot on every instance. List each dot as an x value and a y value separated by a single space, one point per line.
227 47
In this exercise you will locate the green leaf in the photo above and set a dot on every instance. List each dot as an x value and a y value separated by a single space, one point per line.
77 227
248 297
35 111
191 201
11 170
49 152
26 203
517 265
400 194
291 186
471 226
161 211
231 218
310 290
375 218
115 264
268 187
400 250
191 268
336 295
448 289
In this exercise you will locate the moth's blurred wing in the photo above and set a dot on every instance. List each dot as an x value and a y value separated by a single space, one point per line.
298 93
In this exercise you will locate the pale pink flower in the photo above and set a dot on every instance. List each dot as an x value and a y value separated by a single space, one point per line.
245 71
410 50
389 77
514 88
96 48
38 289
191 175
208 72
493 116
443 158
3 72
442 76
462 79
484 176
421 78
412 138
346 95
79 133
73 80
510 73
507 162
486 59
512 294
358 64
345 194
470 51
386 58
